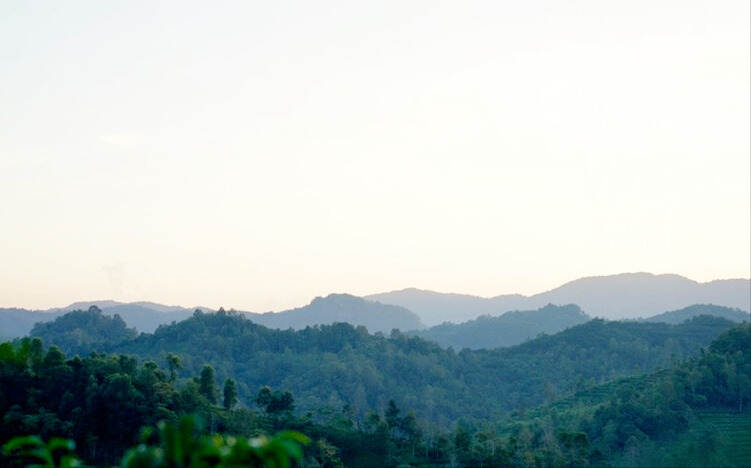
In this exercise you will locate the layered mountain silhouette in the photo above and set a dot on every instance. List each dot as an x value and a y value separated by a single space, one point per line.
623 296
687 313
147 316
335 308
143 316
507 329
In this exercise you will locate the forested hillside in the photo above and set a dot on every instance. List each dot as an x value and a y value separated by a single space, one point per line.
614 297
335 308
681 315
340 364
669 418
80 331
143 316
693 414
507 329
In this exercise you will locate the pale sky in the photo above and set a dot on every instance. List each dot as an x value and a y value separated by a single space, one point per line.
257 154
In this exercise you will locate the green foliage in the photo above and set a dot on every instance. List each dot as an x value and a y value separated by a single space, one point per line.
334 365
230 394
34 453
174 363
657 420
182 445
207 384
79 331
274 402
628 421
511 328
687 313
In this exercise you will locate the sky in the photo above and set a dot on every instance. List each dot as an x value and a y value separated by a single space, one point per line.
258 154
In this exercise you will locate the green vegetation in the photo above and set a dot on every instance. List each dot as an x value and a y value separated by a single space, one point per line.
336 365
692 411
80 331
681 315
336 308
508 329
177 445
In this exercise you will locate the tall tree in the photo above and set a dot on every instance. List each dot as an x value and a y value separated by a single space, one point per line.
207 384
230 393
174 363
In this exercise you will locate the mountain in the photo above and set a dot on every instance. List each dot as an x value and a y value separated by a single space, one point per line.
623 296
147 316
507 329
143 316
681 315
84 305
345 308
79 330
435 308
687 415
634 295
16 322
334 365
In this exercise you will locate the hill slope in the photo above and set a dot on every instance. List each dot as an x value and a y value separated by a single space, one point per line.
344 308
507 329
678 316
79 330
143 316
435 308
687 415
623 296
333 365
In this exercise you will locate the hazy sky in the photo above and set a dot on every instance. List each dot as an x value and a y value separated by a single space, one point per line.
257 154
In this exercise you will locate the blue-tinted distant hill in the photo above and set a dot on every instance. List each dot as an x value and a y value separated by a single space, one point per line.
615 297
16 322
507 329
81 330
147 316
681 315
143 316
342 308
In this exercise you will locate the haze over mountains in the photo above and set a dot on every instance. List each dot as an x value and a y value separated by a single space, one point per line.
147 316
508 329
681 315
623 296
341 308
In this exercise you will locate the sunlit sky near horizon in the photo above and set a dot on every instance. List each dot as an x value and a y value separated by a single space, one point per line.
257 154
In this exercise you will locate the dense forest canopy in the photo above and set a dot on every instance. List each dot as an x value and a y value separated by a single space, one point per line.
337 308
80 331
508 329
681 315
336 365
636 421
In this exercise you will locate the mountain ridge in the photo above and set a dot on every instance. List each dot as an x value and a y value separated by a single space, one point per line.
615 297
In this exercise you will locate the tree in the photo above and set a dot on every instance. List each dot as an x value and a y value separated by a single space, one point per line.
207 384
174 363
275 402
392 415
230 394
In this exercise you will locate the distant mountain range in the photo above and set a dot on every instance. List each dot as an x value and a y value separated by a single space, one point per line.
509 329
615 297
334 308
625 296
147 316
143 316
515 327
678 316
